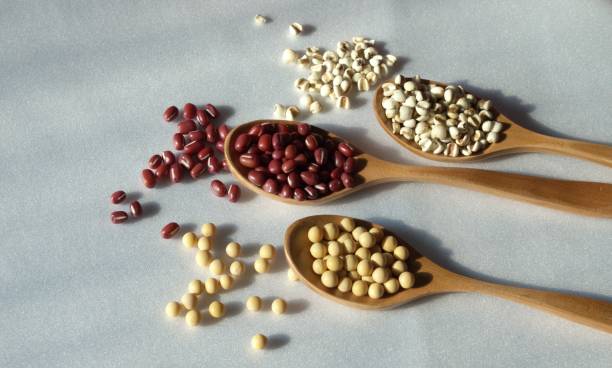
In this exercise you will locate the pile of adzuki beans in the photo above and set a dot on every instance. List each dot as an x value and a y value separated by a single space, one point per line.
295 161
196 139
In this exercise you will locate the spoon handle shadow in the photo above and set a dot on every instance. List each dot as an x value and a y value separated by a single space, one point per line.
529 141
581 197
587 311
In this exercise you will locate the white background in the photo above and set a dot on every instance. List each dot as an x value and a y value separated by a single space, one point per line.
82 89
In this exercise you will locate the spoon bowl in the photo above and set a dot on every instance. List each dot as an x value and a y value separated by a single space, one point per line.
431 279
514 139
587 198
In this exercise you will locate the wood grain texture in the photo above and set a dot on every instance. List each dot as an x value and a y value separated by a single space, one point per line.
432 279
585 198
515 139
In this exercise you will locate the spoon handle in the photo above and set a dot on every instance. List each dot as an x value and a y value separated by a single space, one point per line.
587 311
532 141
581 197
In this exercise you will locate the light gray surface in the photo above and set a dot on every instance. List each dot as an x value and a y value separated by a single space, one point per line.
83 85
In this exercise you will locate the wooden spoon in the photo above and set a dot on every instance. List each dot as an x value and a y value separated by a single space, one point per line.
515 139
432 279
586 198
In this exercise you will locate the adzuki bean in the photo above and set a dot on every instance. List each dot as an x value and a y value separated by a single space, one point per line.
197 170
169 230
218 188
176 172
233 193
211 110
189 111
118 197
170 113
155 161
148 178
169 158
179 141
186 126
136 209
202 118
119 217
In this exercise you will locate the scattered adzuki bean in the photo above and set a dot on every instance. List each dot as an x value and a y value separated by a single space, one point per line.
220 146
202 118
218 188
204 153
189 111
155 161
169 230
161 170
233 193
148 178
170 113
176 172
223 131
179 141
197 170
211 110
211 133
193 147
168 157
118 197
186 126
214 166
136 209
295 161
119 217
186 161
196 135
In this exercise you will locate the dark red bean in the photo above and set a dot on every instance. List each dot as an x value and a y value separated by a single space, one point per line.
189 111
118 197
312 142
179 141
348 180
155 161
282 177
218 188
277 154
223 131
309 177
225 165
242 143
196 135
193 147
161 170
212 111
270 186
254 150
211 134
249 160
299 194
204 153
336 173
119 217
176 172
311 192
220 146
275 167
197 170
233 193
303 129
257 177
286 191
148 178
288 166
293 179
186 161
263 169
346 149
202 118
265 143
282 128
321 156
169 230
280 140
170 113
169 158
301 159
186 126
214 165
136 209
335 185
339 159
291 151
322 188
256 130
314 167
349 165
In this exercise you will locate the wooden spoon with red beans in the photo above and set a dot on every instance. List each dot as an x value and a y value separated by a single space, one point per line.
299 163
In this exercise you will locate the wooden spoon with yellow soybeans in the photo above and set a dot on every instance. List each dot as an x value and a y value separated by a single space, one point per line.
586 198
482 133
430 279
